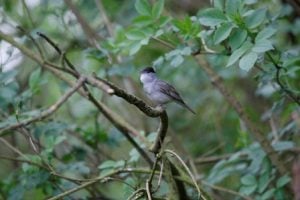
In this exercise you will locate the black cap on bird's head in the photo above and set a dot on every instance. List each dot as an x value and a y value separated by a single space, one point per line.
148 70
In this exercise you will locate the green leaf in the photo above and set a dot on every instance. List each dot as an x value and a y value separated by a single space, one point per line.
158 8
248 60
248 179
294 61
237 38
152 136
238 53
255 18
266 33
177 60
232 7
247 190
34 80
222 32
80 167
219 4
163 20
268 194
134 48
249 2
135 35
143 7
16 193
283 145
212 17
107 164
143 20
171 54
282 181
59 139
158 61
134 155
257 157
262 46
144 41
119 164
186 51
263 181
8 76
187 27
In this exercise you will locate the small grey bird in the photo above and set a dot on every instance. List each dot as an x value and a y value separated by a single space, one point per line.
158 91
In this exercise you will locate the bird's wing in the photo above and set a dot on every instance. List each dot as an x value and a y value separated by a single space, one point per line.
169 90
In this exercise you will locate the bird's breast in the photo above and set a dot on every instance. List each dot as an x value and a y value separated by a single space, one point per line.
155 95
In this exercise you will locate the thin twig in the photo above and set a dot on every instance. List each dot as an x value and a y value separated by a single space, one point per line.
218 82
119 180
23 161
222 189
148 190
137 194
287 91
61 53
123 126
32 40
104 16
188 171
28 13
49 111
212 159
160 176
167 44
14 149
90 33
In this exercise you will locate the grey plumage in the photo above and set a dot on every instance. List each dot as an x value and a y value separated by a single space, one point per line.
159 91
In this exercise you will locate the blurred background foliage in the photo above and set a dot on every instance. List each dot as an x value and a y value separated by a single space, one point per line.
245 41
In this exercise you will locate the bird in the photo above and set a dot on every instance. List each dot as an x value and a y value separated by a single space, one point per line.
159 91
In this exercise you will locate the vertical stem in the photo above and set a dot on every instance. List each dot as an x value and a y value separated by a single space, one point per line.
217 81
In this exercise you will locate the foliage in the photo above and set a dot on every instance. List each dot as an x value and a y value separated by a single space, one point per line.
253 45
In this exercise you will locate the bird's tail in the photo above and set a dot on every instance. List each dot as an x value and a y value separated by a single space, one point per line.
187 107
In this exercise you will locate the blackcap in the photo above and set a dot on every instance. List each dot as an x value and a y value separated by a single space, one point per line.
158 91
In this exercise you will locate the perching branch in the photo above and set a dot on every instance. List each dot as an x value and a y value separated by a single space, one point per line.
114 118
112 89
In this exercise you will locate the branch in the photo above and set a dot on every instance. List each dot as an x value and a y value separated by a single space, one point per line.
23 161
89 32
141 105
161 133
222 189
122 126
47 112
200 195
109 88
218 82
112 89
17 151
212 159
288 92
105 85
114 118
104 16
137 194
